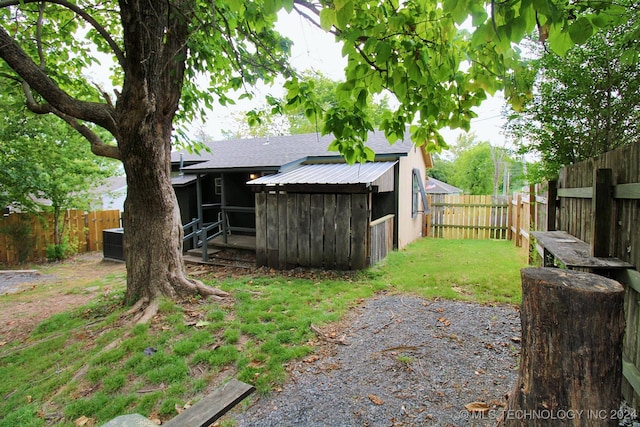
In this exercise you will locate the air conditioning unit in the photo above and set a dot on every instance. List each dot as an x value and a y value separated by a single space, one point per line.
112 246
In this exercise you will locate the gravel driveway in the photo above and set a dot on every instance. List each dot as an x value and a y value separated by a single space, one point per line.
406 362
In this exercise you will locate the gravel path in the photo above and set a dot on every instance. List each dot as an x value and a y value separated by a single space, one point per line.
407 362
11 280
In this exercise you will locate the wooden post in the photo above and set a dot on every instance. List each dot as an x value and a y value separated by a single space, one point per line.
602 203
518 220
552 205
570 365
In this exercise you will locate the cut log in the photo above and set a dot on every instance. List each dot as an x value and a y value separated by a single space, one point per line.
570 367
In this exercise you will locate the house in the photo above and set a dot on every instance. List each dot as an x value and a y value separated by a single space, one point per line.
298 204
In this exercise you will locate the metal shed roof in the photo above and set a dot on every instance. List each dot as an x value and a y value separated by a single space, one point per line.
328 174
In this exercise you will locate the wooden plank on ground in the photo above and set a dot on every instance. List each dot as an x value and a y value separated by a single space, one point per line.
212 407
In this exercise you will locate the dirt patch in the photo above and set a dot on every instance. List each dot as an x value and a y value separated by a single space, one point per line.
57 288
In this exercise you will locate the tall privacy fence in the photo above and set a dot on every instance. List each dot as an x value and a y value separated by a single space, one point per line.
25 237
598 201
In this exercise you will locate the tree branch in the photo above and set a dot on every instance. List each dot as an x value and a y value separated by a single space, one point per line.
98 147
119 54
37 79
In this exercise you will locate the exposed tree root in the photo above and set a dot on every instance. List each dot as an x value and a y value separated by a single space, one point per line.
147 314
147 307
207 291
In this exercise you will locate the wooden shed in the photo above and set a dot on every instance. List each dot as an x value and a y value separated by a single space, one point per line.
332 216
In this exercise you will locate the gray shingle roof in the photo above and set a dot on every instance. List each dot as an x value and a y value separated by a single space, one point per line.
276 151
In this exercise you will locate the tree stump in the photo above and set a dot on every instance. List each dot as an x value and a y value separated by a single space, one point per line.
571 358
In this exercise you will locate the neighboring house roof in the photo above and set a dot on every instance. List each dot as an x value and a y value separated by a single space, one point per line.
328 173
277 152
435 186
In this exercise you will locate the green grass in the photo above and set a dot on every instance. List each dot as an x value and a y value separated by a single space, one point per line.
473 270
70 368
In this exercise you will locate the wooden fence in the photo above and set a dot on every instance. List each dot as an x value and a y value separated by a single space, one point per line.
598 201
468 217
25 237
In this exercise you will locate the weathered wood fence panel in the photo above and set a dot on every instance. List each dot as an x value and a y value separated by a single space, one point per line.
598 201
381 238
468 217
25 237
328 231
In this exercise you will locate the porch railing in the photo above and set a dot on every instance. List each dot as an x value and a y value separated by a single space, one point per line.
199 235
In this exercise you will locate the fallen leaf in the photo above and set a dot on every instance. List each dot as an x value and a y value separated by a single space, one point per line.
515 339
311 359
29 399
84 421
375 399
444 321
202 323
475 407
3 343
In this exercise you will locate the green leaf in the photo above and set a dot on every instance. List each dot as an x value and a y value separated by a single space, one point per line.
517 29
383 52
287 5
327 18
270 7
449 5
559 40
344 14
581 30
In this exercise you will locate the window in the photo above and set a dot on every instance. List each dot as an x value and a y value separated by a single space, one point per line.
417 193
217 186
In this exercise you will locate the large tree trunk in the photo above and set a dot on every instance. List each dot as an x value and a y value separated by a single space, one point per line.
152 224
570 366
145 110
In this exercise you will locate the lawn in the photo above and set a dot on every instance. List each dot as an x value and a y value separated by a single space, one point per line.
92 364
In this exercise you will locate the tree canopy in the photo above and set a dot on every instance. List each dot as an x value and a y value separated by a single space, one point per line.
276 118
479 168
585 103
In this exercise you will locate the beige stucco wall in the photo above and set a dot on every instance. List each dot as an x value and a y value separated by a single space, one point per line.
409 229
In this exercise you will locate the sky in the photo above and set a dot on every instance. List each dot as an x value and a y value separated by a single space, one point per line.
316 49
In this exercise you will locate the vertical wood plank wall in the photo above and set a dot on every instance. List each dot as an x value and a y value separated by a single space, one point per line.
312 230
